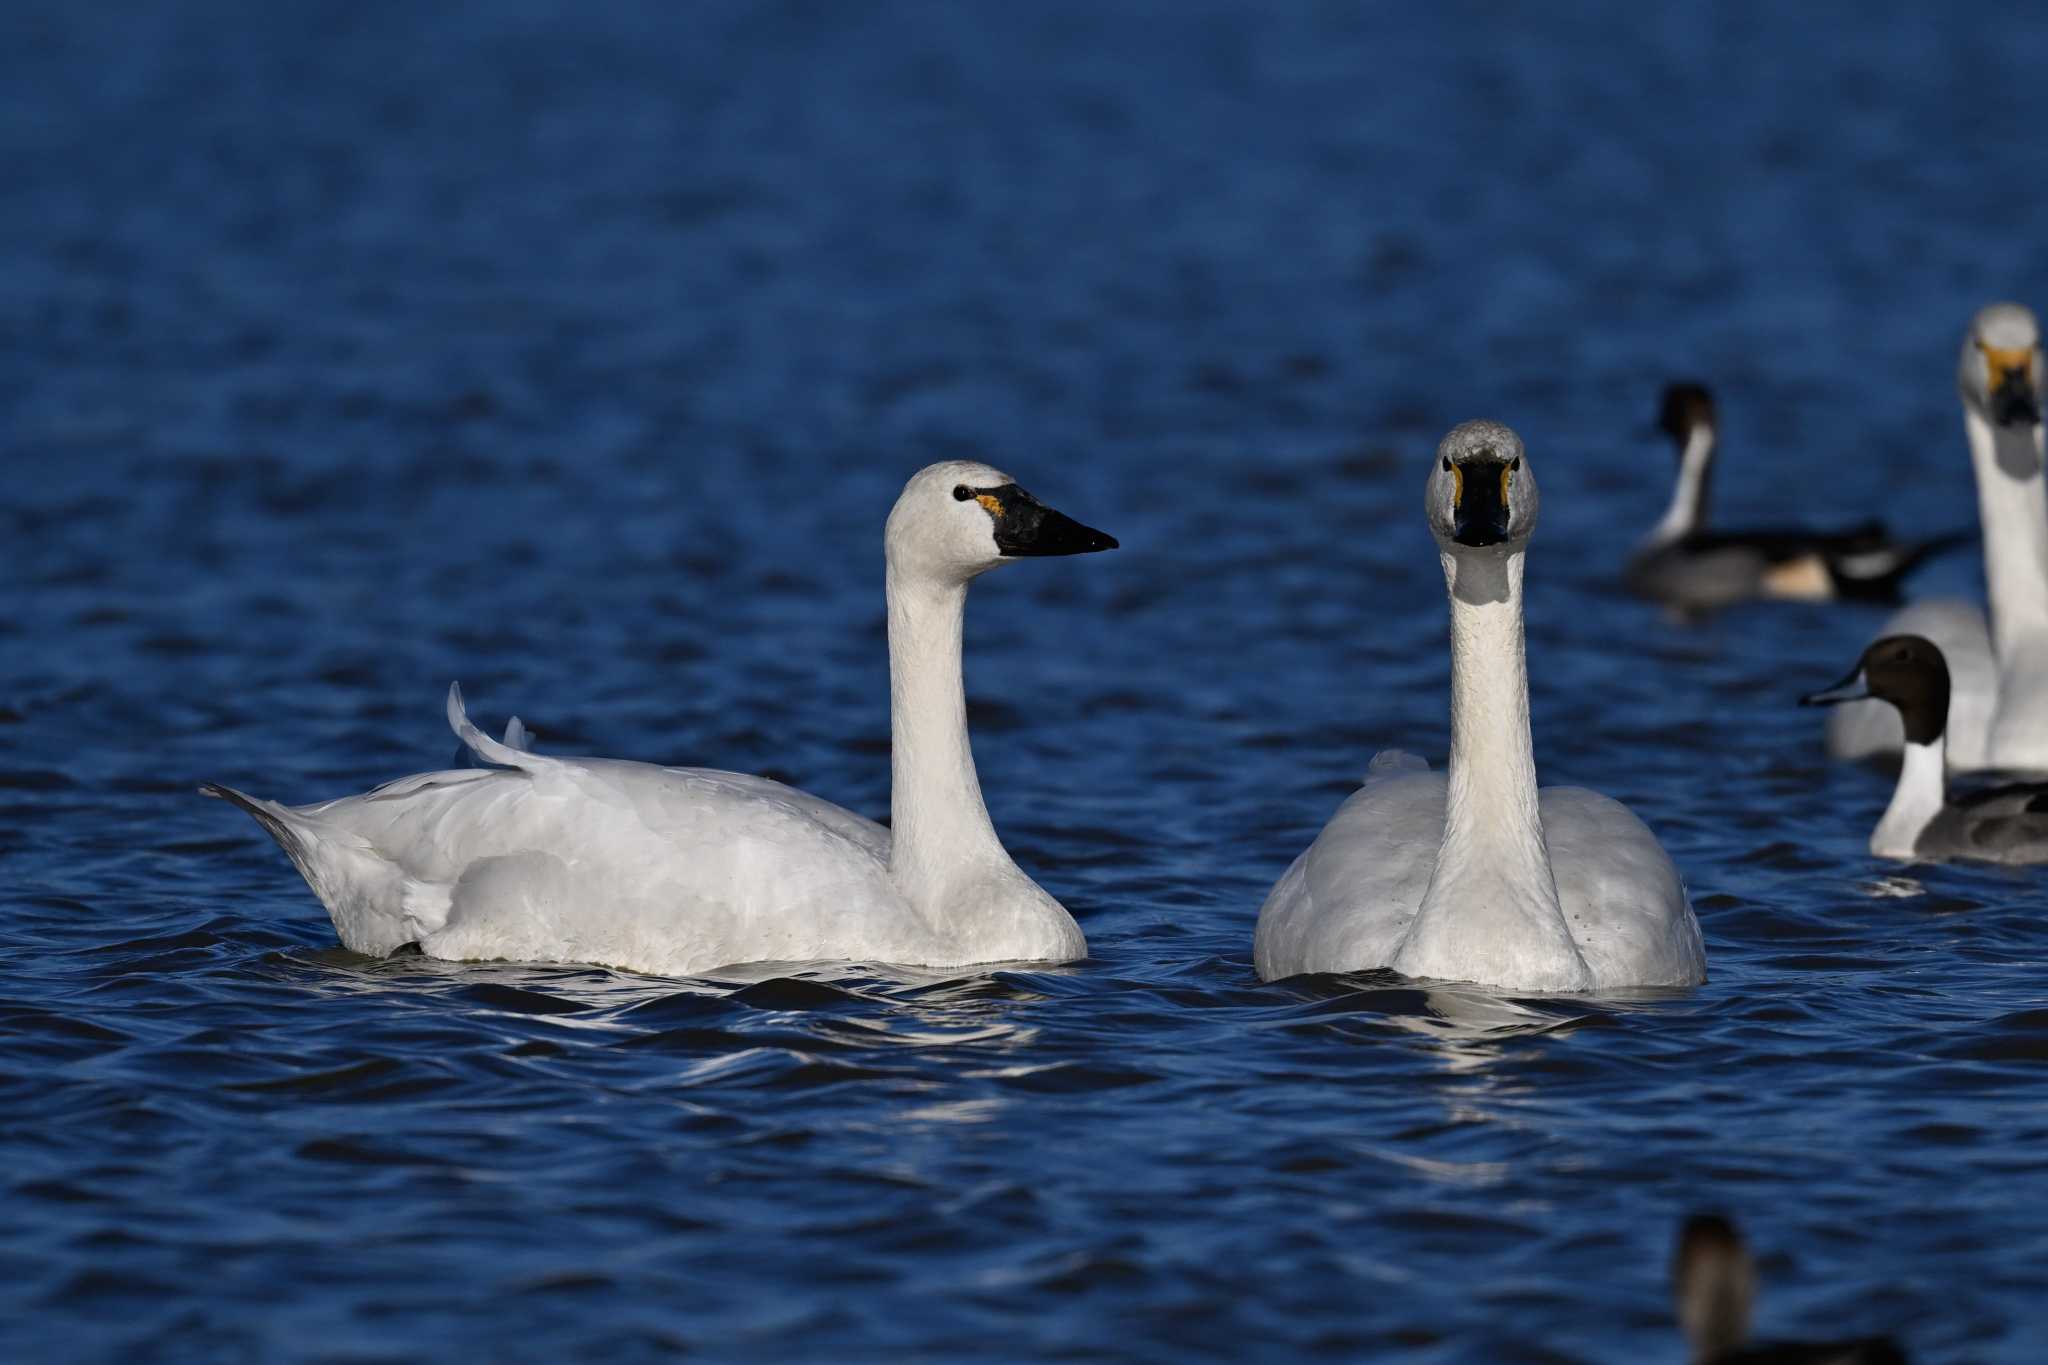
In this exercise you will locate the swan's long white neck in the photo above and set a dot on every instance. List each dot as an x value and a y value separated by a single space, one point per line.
1688 508
939 825
2012 505
1493 758
1919 797
1491 913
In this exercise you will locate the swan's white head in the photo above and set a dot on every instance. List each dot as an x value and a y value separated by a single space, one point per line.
2000 370
958 518
1482 492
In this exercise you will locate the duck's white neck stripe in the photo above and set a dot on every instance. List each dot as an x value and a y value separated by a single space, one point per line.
1919 797
2013 508
1689 499
1491 912
939 825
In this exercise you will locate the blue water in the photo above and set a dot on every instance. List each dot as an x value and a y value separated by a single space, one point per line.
578 352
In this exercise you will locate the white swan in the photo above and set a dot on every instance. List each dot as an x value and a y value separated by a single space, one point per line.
679 870
1477 876
2003 824
1691 567
1998 710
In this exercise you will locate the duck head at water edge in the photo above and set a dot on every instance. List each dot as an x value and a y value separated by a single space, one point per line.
1714 1288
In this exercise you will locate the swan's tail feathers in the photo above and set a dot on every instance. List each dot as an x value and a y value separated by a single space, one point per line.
273 817
515 752
1877 573
375 906
517 736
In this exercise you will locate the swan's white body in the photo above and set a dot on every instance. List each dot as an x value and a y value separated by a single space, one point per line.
1476 875
1998 668
679 870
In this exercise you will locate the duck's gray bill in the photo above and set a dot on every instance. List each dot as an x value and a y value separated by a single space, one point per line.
1852 688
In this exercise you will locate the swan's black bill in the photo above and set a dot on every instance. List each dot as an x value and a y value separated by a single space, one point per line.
1855 687
2014 402
1480 517
1027 527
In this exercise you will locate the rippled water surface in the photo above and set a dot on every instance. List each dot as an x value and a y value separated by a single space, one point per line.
578 354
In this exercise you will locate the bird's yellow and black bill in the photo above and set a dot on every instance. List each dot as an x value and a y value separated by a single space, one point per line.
1025 526
1480 506
2009 379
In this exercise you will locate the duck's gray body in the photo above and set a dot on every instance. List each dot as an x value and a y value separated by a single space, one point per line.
1998 825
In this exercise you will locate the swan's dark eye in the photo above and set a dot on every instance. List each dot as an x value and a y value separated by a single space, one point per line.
961 492
1447 464
1515 465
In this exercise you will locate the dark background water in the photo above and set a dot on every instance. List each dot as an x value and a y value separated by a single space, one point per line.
578 352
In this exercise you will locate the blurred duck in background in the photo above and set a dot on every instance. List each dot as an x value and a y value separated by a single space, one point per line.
1713 1281
2004 824
1998 667
1685 565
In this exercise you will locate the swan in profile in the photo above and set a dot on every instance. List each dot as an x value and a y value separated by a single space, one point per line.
1713 1281
679 870
1686 565
1998 711
1475 875
2005 824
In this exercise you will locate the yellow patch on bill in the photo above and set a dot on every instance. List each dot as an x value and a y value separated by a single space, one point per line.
993 503
2003 361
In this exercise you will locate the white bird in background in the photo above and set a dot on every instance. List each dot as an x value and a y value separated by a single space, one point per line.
679 870
2003 824
1998 671
1476 875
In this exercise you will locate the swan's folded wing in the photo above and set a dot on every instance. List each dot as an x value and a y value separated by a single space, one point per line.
657 869
1622 896
1345 903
